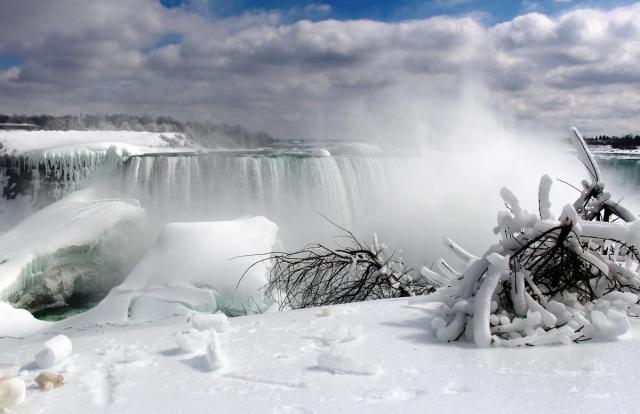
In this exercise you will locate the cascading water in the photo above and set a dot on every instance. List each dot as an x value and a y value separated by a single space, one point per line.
292 190
412 201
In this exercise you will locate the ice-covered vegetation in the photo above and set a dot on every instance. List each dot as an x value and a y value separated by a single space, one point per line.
548 280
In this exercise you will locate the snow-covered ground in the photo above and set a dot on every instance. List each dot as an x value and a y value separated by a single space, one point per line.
365 357
50 144
607 150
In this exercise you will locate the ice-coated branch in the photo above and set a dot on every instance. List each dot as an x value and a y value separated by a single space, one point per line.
319 275
548 280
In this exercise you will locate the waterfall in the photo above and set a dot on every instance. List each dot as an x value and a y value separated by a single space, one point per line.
294 191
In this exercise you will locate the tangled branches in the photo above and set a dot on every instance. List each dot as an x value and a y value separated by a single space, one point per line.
318 275
547 281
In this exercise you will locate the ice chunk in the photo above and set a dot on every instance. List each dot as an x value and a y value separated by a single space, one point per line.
56 350
203 321
12 393
193 340
48 380
9 370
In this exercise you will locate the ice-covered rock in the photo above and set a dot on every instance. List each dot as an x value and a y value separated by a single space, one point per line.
56 250
193 266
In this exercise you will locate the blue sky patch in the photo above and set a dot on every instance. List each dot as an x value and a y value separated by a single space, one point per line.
491 11
9 60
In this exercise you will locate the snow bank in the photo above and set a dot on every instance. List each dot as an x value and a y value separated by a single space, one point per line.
44 257
58 143
18 322
193 266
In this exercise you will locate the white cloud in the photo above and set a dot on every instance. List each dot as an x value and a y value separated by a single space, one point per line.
322 78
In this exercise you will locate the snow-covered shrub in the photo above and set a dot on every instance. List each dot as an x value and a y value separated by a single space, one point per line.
548 280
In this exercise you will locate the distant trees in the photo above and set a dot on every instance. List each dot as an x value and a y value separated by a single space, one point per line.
208 134
624 142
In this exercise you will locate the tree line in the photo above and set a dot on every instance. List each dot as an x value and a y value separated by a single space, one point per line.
628 141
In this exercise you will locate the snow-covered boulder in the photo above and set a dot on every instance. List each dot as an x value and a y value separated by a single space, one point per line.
55 251
193 266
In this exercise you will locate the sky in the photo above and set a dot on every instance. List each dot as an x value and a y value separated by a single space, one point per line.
334 69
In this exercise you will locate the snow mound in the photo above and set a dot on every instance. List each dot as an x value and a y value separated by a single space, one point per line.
18 322
49 254
193 266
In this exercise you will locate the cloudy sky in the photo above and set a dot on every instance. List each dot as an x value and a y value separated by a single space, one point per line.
342 68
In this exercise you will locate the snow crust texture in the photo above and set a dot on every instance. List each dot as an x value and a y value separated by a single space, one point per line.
391 361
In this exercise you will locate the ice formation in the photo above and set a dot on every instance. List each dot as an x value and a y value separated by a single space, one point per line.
80 242
46 165
216 357
193 266
193 340
548 280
